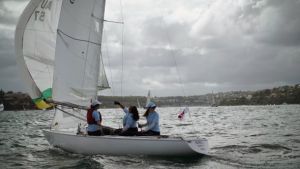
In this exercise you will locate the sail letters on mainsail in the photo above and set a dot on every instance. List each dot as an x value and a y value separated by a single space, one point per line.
40 14
72 1
46 4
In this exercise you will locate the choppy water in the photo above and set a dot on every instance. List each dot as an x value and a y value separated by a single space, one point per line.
239 137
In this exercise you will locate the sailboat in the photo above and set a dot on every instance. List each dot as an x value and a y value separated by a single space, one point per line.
138 103
213 101
58 48
148 97
1 107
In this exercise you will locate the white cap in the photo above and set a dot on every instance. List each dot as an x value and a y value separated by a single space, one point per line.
150 105
95 102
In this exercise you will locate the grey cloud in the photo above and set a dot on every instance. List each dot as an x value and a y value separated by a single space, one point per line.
6 16
9 76
10 79
256 66
244 55
6 52
8 71
252 47
157 31
280 23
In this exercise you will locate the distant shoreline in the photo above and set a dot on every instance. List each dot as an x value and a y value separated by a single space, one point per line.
276 96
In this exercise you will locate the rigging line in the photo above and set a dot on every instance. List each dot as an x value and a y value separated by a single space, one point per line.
177 69
176 65
53 118
109 65
112 86
110 69
113 21
49 73
102 71
60 32
66 11
78 117
122 44
104 20
66 44
179 79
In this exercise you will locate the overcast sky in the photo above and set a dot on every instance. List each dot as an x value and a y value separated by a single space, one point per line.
217 45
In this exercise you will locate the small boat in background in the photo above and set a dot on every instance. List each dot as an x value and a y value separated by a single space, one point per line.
1 107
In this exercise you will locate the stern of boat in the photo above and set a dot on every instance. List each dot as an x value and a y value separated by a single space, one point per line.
199 145
47 134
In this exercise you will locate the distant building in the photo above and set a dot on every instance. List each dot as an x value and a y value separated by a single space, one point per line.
249 97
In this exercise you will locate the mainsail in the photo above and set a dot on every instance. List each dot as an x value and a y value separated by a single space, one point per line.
58 47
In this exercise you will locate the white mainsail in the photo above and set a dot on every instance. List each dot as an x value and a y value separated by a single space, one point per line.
79 70
35 40
78 50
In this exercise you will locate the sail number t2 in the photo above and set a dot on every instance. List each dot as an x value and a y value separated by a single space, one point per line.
39 15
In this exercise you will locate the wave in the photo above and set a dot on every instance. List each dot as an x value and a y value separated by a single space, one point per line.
183 124
235 162
243 156
271 146
296 140
230 147
255 135
254 149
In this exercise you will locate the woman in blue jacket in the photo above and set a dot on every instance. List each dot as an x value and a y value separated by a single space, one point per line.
129 120
152 125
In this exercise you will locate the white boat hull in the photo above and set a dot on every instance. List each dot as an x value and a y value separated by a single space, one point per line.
122 145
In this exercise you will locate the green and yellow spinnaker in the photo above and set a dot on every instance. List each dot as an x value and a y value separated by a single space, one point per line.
40 103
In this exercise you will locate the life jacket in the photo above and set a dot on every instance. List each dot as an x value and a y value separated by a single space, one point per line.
89 117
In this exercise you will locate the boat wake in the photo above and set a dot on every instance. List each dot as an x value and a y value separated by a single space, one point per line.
256 148
250 156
